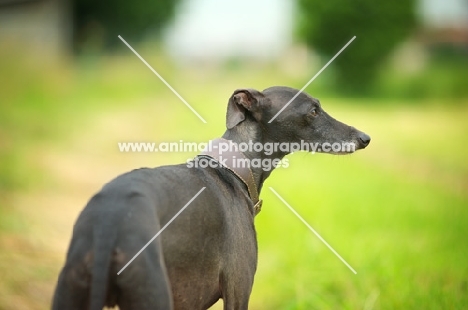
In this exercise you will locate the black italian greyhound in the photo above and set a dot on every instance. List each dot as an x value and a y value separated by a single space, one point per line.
209 251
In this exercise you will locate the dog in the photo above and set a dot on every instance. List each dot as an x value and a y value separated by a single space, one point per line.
209 251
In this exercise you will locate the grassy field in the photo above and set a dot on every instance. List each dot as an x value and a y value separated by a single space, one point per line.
397 212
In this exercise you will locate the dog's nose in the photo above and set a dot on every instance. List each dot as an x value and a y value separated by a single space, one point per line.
365 139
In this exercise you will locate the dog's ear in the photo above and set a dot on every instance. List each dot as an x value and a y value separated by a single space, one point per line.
242 100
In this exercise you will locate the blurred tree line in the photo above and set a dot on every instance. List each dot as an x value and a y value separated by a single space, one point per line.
98 22
326 26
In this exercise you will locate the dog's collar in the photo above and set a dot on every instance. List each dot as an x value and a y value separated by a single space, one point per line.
230 160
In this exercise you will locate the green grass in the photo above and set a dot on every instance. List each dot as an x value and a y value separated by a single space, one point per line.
404 238
396 211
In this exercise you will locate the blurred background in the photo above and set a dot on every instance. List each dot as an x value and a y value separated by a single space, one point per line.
397 212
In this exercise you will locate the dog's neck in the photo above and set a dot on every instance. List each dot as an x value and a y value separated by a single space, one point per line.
249 130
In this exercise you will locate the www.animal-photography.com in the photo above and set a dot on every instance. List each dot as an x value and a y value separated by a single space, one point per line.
195 154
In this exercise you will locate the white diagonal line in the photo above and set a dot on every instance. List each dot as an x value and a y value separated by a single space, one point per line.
161 230
313 230
312 79
163 80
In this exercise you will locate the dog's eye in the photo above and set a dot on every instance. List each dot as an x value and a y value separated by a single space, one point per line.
313 112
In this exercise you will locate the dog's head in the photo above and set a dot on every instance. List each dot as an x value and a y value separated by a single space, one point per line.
302 121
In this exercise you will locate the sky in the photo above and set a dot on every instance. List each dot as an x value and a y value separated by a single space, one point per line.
206 28
444 12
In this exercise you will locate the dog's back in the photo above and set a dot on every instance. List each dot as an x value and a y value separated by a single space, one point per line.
128 212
